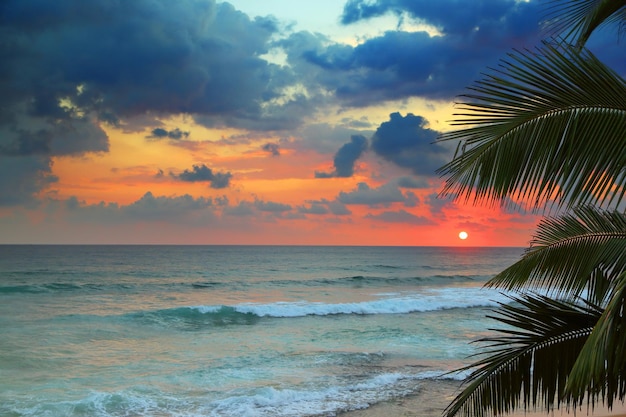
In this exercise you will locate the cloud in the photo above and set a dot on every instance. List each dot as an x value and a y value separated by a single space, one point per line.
70 65
338 209
202 173
401 216
411 182
401 64
189 56
160 133
243 209
33 136
272 207
178 210
113 62
450 16
272 148
346 157
438 204
408 142
326 138
149 207
21 178
314 208
324 206
375 197
250 209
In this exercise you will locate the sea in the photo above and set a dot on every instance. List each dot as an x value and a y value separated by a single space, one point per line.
237 331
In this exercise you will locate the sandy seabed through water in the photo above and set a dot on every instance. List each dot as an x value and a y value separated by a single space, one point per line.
434 398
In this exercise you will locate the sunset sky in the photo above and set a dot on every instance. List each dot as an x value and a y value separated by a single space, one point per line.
247 121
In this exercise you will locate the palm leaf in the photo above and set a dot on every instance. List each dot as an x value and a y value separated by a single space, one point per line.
529 363
570 250
600 371
578 19
547 125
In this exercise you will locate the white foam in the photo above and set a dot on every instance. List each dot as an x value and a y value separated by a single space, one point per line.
454 375
260 402
207 309
97 404
327 401
428 300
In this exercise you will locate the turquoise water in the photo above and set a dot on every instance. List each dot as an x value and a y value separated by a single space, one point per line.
234 330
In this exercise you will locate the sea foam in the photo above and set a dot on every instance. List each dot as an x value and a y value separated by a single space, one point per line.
329 401
432 300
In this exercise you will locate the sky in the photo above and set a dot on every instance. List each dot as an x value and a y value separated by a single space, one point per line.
248 122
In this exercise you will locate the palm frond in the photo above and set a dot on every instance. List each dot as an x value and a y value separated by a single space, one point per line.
528 364
570 250
549 124
576 20
600 371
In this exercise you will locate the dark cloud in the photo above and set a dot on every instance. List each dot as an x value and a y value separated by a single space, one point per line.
324 206
28 143
338 208
21 178
26 149
410 182
399 64
150 207
52 137
160 133
189 56
401 216
346 157
69 65
362 123
314 208
326 138
180 210
411 199
438 203
272 148
202 173
451 16
376 197
271 206
243 209
247 208
408 142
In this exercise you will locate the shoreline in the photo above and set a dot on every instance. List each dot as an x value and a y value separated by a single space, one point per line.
434 398
413 407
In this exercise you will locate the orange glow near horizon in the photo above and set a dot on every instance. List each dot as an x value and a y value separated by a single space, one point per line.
271 199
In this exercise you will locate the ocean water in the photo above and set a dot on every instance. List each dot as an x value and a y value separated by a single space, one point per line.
235 330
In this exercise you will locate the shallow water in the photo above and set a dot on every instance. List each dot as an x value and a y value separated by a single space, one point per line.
234 330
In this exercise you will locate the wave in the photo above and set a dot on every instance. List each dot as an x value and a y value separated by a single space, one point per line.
34 289
348 281
432 279
60 287
333 400
90 283
431 300
250 313
305 401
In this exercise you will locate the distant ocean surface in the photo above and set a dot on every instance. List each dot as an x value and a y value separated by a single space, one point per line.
235 330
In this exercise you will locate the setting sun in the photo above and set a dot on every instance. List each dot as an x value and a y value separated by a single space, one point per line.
463 235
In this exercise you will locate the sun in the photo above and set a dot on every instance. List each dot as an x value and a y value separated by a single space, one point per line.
463 235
